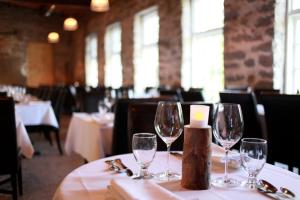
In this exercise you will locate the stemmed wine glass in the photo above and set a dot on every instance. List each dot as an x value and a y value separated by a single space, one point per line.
168 124
253 155
144 148
227 129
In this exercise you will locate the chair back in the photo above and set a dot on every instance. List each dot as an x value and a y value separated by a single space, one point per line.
120 134
282 119
258 92
8 137
247 101
141 117
188 96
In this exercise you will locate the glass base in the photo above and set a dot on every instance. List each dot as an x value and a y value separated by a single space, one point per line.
249 185
170 176
229 183
138 176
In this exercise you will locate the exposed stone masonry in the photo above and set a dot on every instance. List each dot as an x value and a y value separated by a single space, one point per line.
248 34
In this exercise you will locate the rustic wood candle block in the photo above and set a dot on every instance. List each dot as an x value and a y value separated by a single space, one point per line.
196 161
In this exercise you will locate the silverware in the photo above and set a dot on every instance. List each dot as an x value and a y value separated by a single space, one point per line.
270 190
124 167
118 166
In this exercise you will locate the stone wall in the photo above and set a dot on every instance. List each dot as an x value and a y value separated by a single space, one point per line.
18 28
248 35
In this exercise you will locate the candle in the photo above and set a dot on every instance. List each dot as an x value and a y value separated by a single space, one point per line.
199 116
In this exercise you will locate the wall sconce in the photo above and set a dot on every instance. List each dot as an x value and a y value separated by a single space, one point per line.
99 5
70 24
53 37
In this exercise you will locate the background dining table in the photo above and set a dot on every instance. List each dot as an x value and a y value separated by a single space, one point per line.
90 135
23 140
90 181
36 113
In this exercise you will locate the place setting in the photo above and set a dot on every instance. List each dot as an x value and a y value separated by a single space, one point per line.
198 158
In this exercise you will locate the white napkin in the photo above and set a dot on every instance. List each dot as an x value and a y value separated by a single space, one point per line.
128 189
218 153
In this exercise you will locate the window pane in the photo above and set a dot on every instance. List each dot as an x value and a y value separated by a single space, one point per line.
91 62
113 65
116 39
297 33
150 28
207 15
207 65
295 4
146 50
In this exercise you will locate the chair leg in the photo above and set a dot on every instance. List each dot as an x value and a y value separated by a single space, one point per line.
58 142
48 137
14 186
20 180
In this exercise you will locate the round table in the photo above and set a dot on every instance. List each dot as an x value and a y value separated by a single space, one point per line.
90 181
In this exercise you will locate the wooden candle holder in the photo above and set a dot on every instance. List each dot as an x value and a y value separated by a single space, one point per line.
196 161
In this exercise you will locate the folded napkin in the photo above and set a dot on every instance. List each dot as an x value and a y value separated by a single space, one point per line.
218 157
128 189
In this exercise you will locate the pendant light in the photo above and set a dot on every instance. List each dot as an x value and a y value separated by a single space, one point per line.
99 5
70 24
53 37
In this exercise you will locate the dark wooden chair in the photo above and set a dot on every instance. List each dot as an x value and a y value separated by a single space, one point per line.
260 91
282 118
9 153
120 134
3 94
247 101
188 96
57 101
141 117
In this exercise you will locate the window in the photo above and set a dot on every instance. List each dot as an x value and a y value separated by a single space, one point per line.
292 79
113 64
146 33
203 44
91 62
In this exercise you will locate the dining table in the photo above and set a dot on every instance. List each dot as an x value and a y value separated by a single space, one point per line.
91 181
23 140
90 135
36 112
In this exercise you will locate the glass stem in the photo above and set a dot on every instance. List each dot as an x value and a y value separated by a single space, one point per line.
168 159
225 173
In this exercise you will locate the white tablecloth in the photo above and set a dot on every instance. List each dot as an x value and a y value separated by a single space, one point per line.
23 139
36 113
90 181
90 135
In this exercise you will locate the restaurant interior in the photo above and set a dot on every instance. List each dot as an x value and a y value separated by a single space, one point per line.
149 99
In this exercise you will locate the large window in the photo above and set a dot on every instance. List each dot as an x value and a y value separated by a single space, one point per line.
91 60
146 33
113 64
292 79
203 44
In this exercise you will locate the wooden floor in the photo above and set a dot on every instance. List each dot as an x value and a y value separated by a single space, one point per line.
43 173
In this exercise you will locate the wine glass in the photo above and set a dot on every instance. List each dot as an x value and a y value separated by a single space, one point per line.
168 124
144 148
253 156
227 129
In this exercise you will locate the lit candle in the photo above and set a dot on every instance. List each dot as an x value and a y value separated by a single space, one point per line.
199 116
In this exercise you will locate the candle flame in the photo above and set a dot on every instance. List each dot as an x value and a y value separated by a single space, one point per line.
199 116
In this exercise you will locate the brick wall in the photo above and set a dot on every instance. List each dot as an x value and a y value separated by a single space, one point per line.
18 28
248 35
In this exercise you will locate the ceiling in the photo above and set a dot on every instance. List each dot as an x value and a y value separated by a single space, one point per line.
61 6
